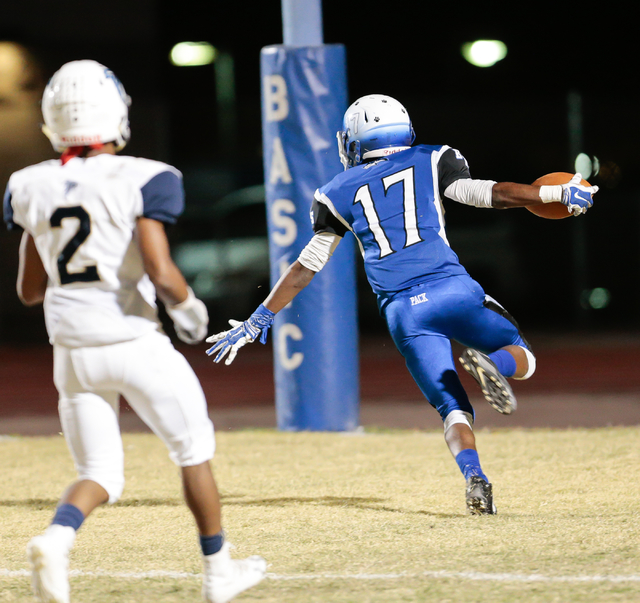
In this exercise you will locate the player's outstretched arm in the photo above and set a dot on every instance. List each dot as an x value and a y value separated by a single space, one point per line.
227 343
32 277
575 196
294 280
189 314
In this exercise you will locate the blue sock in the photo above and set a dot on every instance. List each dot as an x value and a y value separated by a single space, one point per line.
211 544
504 362
68 515
469 464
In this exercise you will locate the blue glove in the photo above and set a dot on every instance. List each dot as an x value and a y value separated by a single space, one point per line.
576 197
241 333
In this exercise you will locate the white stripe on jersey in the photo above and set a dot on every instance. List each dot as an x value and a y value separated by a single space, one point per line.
322 198
435 158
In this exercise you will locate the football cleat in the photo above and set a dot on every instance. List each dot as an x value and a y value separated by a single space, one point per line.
494 385
48 556
479 496
224 577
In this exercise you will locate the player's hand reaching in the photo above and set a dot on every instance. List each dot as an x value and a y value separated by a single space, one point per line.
577 197
227 343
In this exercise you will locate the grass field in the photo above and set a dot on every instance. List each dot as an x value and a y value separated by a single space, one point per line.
342 518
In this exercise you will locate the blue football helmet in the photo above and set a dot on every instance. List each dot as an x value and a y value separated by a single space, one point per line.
374 126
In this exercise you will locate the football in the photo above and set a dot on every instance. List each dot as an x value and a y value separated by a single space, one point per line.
554 210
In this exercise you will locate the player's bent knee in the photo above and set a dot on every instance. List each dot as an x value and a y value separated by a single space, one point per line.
531 361
115 492
112 484
193 449
458 416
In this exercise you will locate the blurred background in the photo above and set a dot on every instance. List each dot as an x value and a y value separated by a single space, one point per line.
566 86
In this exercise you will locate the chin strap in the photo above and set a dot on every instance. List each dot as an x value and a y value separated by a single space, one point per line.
342 146
71 152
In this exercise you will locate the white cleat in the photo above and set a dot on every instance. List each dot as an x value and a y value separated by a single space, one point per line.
49 559
224 577
494 385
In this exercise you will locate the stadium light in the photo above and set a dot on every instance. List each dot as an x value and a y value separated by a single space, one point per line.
596 299
195 54
587 165
484 53
192 54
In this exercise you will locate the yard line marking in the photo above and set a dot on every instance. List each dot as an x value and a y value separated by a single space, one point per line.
503 577
460 575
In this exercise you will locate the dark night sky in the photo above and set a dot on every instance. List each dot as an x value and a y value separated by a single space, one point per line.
510 121
410 51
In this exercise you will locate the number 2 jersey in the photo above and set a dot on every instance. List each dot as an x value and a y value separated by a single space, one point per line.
82 216
394 208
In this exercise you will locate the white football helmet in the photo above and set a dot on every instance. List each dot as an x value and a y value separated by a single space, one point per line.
84 103
374 126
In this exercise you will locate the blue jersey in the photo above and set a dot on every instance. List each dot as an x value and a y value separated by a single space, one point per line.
394 208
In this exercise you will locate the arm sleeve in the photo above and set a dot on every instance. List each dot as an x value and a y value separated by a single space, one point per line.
452 166
324 221
163 198
471 192
319 250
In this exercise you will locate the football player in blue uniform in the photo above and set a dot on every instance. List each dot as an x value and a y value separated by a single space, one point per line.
390 197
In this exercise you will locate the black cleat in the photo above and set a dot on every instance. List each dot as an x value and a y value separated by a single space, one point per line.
479 496
492 382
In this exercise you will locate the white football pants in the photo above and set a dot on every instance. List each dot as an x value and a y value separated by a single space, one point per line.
159 385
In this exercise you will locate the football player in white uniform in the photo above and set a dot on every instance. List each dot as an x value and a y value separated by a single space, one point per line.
95 252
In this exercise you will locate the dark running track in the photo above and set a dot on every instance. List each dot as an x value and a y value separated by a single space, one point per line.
581 381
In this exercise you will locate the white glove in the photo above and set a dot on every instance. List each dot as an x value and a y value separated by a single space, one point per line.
190 319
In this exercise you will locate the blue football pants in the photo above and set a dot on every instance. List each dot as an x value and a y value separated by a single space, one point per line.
424 319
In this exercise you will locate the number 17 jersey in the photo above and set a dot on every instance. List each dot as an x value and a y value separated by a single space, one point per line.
394 208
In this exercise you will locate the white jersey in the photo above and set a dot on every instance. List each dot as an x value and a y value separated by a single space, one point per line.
82 216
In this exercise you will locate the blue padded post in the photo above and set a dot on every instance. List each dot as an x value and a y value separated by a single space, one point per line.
316 338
